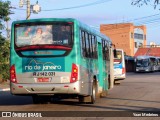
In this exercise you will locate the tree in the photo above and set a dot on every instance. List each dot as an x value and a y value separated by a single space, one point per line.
4 14
4 44
139 3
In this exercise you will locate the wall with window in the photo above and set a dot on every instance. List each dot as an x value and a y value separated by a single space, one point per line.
139 38
120 35
125 36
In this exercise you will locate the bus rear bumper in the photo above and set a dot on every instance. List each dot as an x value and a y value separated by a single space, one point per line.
22 89
119 77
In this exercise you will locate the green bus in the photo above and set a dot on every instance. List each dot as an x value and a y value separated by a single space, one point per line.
58 57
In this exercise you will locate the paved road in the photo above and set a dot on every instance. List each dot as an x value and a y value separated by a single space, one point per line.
139 92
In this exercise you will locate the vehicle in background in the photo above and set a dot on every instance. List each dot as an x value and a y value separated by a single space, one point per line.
157 63
54 57
145 64
119 65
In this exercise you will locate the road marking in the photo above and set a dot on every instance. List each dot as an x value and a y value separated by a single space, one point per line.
6 89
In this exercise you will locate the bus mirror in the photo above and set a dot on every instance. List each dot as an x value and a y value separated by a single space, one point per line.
115 53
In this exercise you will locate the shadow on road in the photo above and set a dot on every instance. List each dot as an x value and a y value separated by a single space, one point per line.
6 99
107 108
132 100
141 108
142 73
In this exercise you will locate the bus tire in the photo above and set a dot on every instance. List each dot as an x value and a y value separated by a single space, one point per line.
109 82
89 99
94 93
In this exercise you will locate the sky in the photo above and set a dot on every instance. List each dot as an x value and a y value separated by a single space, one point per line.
96 12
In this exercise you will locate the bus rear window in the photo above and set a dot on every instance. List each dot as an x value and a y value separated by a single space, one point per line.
118 58
43 34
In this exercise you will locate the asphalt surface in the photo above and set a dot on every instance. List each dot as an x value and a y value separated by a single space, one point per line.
138 92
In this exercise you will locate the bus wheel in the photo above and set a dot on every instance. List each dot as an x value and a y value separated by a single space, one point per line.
109 82
93 96
89 99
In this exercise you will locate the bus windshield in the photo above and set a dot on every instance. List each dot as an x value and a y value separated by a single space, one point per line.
43 34
118 58
142 63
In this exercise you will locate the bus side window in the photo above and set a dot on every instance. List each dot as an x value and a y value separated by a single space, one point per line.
107 51
94 42
87 45
103 49
91 47
83 45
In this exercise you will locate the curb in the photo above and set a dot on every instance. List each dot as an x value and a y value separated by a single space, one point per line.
5 89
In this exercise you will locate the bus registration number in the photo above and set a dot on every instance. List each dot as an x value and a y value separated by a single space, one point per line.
41 74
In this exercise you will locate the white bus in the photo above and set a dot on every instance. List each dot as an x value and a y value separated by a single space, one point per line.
119 65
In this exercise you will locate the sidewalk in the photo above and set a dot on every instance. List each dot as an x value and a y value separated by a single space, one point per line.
5 86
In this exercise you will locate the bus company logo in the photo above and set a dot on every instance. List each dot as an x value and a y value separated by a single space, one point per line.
21 114
36 65
52 67
6 114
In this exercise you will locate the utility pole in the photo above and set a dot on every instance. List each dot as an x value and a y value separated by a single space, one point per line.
28 9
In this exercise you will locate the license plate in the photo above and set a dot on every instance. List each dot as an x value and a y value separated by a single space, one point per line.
43 80
43 74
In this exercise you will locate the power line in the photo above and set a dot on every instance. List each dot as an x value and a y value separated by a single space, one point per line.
140 21
75 7
150 21
143 17
80 6
99 2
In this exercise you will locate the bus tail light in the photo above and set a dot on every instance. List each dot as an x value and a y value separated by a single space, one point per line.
13 74
123 71
74 74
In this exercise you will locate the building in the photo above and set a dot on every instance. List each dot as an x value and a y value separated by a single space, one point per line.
125 36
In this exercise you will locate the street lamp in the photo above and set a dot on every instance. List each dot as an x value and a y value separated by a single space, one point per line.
36 8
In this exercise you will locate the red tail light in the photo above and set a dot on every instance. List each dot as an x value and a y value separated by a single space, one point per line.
123 71
74 74
13 74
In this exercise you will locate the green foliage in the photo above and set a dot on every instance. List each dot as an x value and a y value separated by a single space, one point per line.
4 44
4 60
4 10
4 68
4 51
139 3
